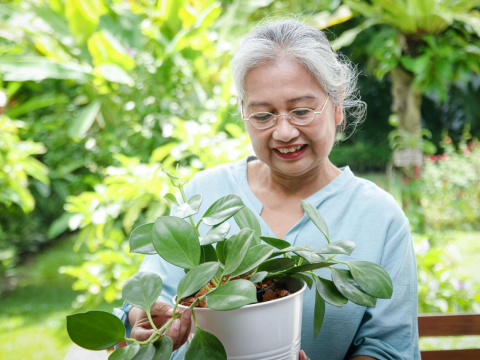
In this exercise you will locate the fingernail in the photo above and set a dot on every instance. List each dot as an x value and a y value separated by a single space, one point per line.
176 325
170 312
187 313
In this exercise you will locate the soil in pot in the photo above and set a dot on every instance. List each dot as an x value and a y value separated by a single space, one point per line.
267 290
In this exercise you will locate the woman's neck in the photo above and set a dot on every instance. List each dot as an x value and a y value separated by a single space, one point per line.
295 186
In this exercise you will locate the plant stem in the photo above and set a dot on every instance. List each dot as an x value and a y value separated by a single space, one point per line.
194 318
184 197
340 262
215 281
151 321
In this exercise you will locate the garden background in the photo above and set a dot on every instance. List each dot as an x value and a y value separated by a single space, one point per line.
97 95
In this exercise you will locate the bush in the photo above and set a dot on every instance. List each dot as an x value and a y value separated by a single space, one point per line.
18 168
450 191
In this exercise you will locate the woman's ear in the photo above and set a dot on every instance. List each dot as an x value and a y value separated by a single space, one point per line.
338 115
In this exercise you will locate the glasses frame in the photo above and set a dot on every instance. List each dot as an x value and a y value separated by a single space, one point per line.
275 117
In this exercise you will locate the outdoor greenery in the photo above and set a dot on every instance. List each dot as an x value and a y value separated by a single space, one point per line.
97 96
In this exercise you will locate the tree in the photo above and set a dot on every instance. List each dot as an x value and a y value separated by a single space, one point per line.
424 45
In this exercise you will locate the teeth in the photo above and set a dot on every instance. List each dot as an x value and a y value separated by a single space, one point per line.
288 150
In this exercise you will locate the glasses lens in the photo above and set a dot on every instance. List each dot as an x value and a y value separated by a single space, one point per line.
261 120
302 116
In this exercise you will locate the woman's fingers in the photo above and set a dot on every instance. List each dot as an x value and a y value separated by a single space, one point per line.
302 355
180 329
141 334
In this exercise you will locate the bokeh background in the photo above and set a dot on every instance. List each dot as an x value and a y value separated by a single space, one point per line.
97 95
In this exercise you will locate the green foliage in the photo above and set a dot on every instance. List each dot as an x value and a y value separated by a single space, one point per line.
17 163
18 169
95 330
449 186
205 346
441 288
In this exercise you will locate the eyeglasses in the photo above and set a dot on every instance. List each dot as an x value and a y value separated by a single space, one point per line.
301 116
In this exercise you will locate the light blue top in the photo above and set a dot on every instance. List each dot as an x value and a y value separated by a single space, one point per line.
354 209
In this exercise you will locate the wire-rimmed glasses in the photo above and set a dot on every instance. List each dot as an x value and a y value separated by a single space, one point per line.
301 117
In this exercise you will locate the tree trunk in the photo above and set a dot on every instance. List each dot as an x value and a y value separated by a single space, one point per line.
407 101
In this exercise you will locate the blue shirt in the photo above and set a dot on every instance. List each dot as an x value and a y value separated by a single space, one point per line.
354 209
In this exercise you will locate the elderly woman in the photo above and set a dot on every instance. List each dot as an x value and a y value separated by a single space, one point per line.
294 94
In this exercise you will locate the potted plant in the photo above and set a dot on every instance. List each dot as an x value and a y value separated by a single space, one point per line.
229 280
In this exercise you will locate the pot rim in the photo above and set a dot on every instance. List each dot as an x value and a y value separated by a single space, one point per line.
249 305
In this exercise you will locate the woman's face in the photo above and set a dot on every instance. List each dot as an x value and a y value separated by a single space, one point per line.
279 88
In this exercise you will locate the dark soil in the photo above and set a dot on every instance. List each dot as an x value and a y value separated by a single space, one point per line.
274 291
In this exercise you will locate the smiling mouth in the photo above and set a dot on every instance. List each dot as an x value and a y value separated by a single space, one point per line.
292 149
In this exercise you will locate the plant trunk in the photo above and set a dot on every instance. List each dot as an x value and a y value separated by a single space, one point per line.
407 101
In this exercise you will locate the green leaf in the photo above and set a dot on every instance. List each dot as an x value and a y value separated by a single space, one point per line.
232 295
305 278
222 210
329 292
59 225
276 243
127 352
277 265
95 330
216 234
292 249
372 278
36 68
205 346
114 73
196 278
316 218
163 348
246 219
146 352
83 17
338 247
310 256
349 288
237 247
189 208
141 240
309 267
207 254
142 290
221 251
79 126
171 199
254 257
176 242
319 314
258 277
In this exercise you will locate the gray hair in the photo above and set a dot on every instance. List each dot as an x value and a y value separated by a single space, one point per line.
311 48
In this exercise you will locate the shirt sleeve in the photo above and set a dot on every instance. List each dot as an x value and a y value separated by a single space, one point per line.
390 330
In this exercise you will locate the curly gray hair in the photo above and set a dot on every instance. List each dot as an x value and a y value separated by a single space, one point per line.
311 48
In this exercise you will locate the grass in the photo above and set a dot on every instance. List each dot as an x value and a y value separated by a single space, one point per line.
32 317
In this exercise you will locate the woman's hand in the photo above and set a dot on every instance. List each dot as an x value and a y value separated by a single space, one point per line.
161 313
302 356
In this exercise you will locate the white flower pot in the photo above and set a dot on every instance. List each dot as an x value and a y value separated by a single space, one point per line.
263 331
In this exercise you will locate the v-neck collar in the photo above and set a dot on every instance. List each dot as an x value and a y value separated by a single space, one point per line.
316 199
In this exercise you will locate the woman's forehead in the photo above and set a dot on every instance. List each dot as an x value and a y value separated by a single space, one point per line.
285 80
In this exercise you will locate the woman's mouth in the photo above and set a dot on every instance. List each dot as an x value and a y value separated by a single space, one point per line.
292 152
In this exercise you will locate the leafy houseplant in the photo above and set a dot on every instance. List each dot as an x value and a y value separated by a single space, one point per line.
232 269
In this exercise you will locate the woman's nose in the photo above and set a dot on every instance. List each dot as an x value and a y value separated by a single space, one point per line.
284 130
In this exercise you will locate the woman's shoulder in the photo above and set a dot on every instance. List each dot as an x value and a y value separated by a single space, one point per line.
223 177
376 200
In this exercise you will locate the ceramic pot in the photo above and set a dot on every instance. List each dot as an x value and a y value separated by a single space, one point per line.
262 331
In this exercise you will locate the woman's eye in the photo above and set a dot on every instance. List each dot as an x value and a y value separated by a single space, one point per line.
300 112
262 117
